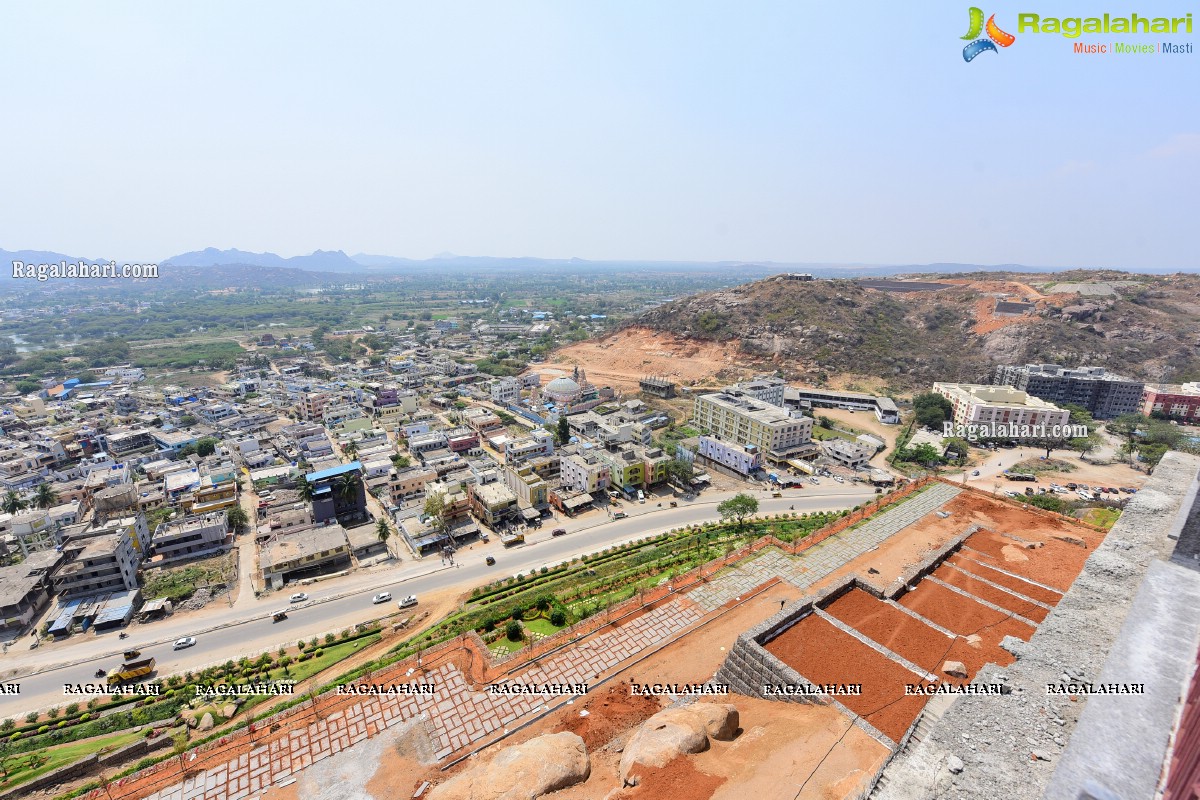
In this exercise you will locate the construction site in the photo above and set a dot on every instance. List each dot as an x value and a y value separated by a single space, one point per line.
933 586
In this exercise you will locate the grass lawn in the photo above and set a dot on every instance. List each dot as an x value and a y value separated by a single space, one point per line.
504 646
542 626
1102 517
64 754
299 670
821 433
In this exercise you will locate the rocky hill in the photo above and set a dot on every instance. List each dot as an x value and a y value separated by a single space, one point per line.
910 333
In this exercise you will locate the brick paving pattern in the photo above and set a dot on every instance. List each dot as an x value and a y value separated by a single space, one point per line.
816 562
456 715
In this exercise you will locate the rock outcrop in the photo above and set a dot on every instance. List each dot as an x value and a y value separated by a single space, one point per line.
521 772
677 731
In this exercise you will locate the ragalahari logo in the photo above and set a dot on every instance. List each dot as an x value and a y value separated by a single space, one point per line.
995 36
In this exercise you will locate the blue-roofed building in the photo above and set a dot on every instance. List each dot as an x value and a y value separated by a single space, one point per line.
338 493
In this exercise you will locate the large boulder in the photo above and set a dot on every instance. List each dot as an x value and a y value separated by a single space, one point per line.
521 772
720 719
677 731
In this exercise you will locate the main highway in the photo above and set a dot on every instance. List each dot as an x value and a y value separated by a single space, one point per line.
226 632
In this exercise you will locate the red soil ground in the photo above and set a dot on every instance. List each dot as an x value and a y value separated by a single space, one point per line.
610 713
1056 564
823 654
679 780
892 628
961 614
994 575
999 597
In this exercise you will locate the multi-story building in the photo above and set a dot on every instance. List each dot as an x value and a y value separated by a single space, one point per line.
584 472
105 562
626 468
849 454
1177 401
305 553
538 443
807 397
993 406
338 492
741 458
1103 394
734 417
406 484
527 485
768 389
492 503
126 443
25 591
312 405
191 537
506 391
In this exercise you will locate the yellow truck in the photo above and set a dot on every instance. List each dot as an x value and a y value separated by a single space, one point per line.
130 670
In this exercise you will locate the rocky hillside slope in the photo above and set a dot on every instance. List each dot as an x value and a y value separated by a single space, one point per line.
953 328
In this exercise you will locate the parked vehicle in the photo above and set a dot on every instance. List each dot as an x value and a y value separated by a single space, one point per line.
382 597
641 496
776 494
408 602
131 670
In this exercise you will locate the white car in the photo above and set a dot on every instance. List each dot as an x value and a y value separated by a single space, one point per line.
185 642
408 602
382 597
298 597
839 479
641 496
816 481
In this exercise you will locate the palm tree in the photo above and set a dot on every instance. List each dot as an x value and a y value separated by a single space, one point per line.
305 489
13 503
347 485
46 496
351 449
384 532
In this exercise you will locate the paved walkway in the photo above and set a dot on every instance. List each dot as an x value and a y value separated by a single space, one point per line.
820 560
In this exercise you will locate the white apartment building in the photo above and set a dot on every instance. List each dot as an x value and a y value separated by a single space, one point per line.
735 417
976 404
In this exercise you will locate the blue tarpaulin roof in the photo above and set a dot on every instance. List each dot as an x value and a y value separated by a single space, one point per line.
333 472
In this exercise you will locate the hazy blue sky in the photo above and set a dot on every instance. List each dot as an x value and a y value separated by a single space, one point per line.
603 130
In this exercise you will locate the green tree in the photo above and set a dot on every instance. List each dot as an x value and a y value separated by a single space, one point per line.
738 508
679 470
206 446
13 503
932 409
1126 427
351 449
237 519
45 496
959 447
383 531
435 510
304 489
400 461
564 430
1152 452
346 485
513 631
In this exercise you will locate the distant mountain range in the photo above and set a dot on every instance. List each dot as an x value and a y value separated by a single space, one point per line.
337 262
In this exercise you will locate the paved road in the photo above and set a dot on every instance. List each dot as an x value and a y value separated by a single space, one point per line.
226 633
